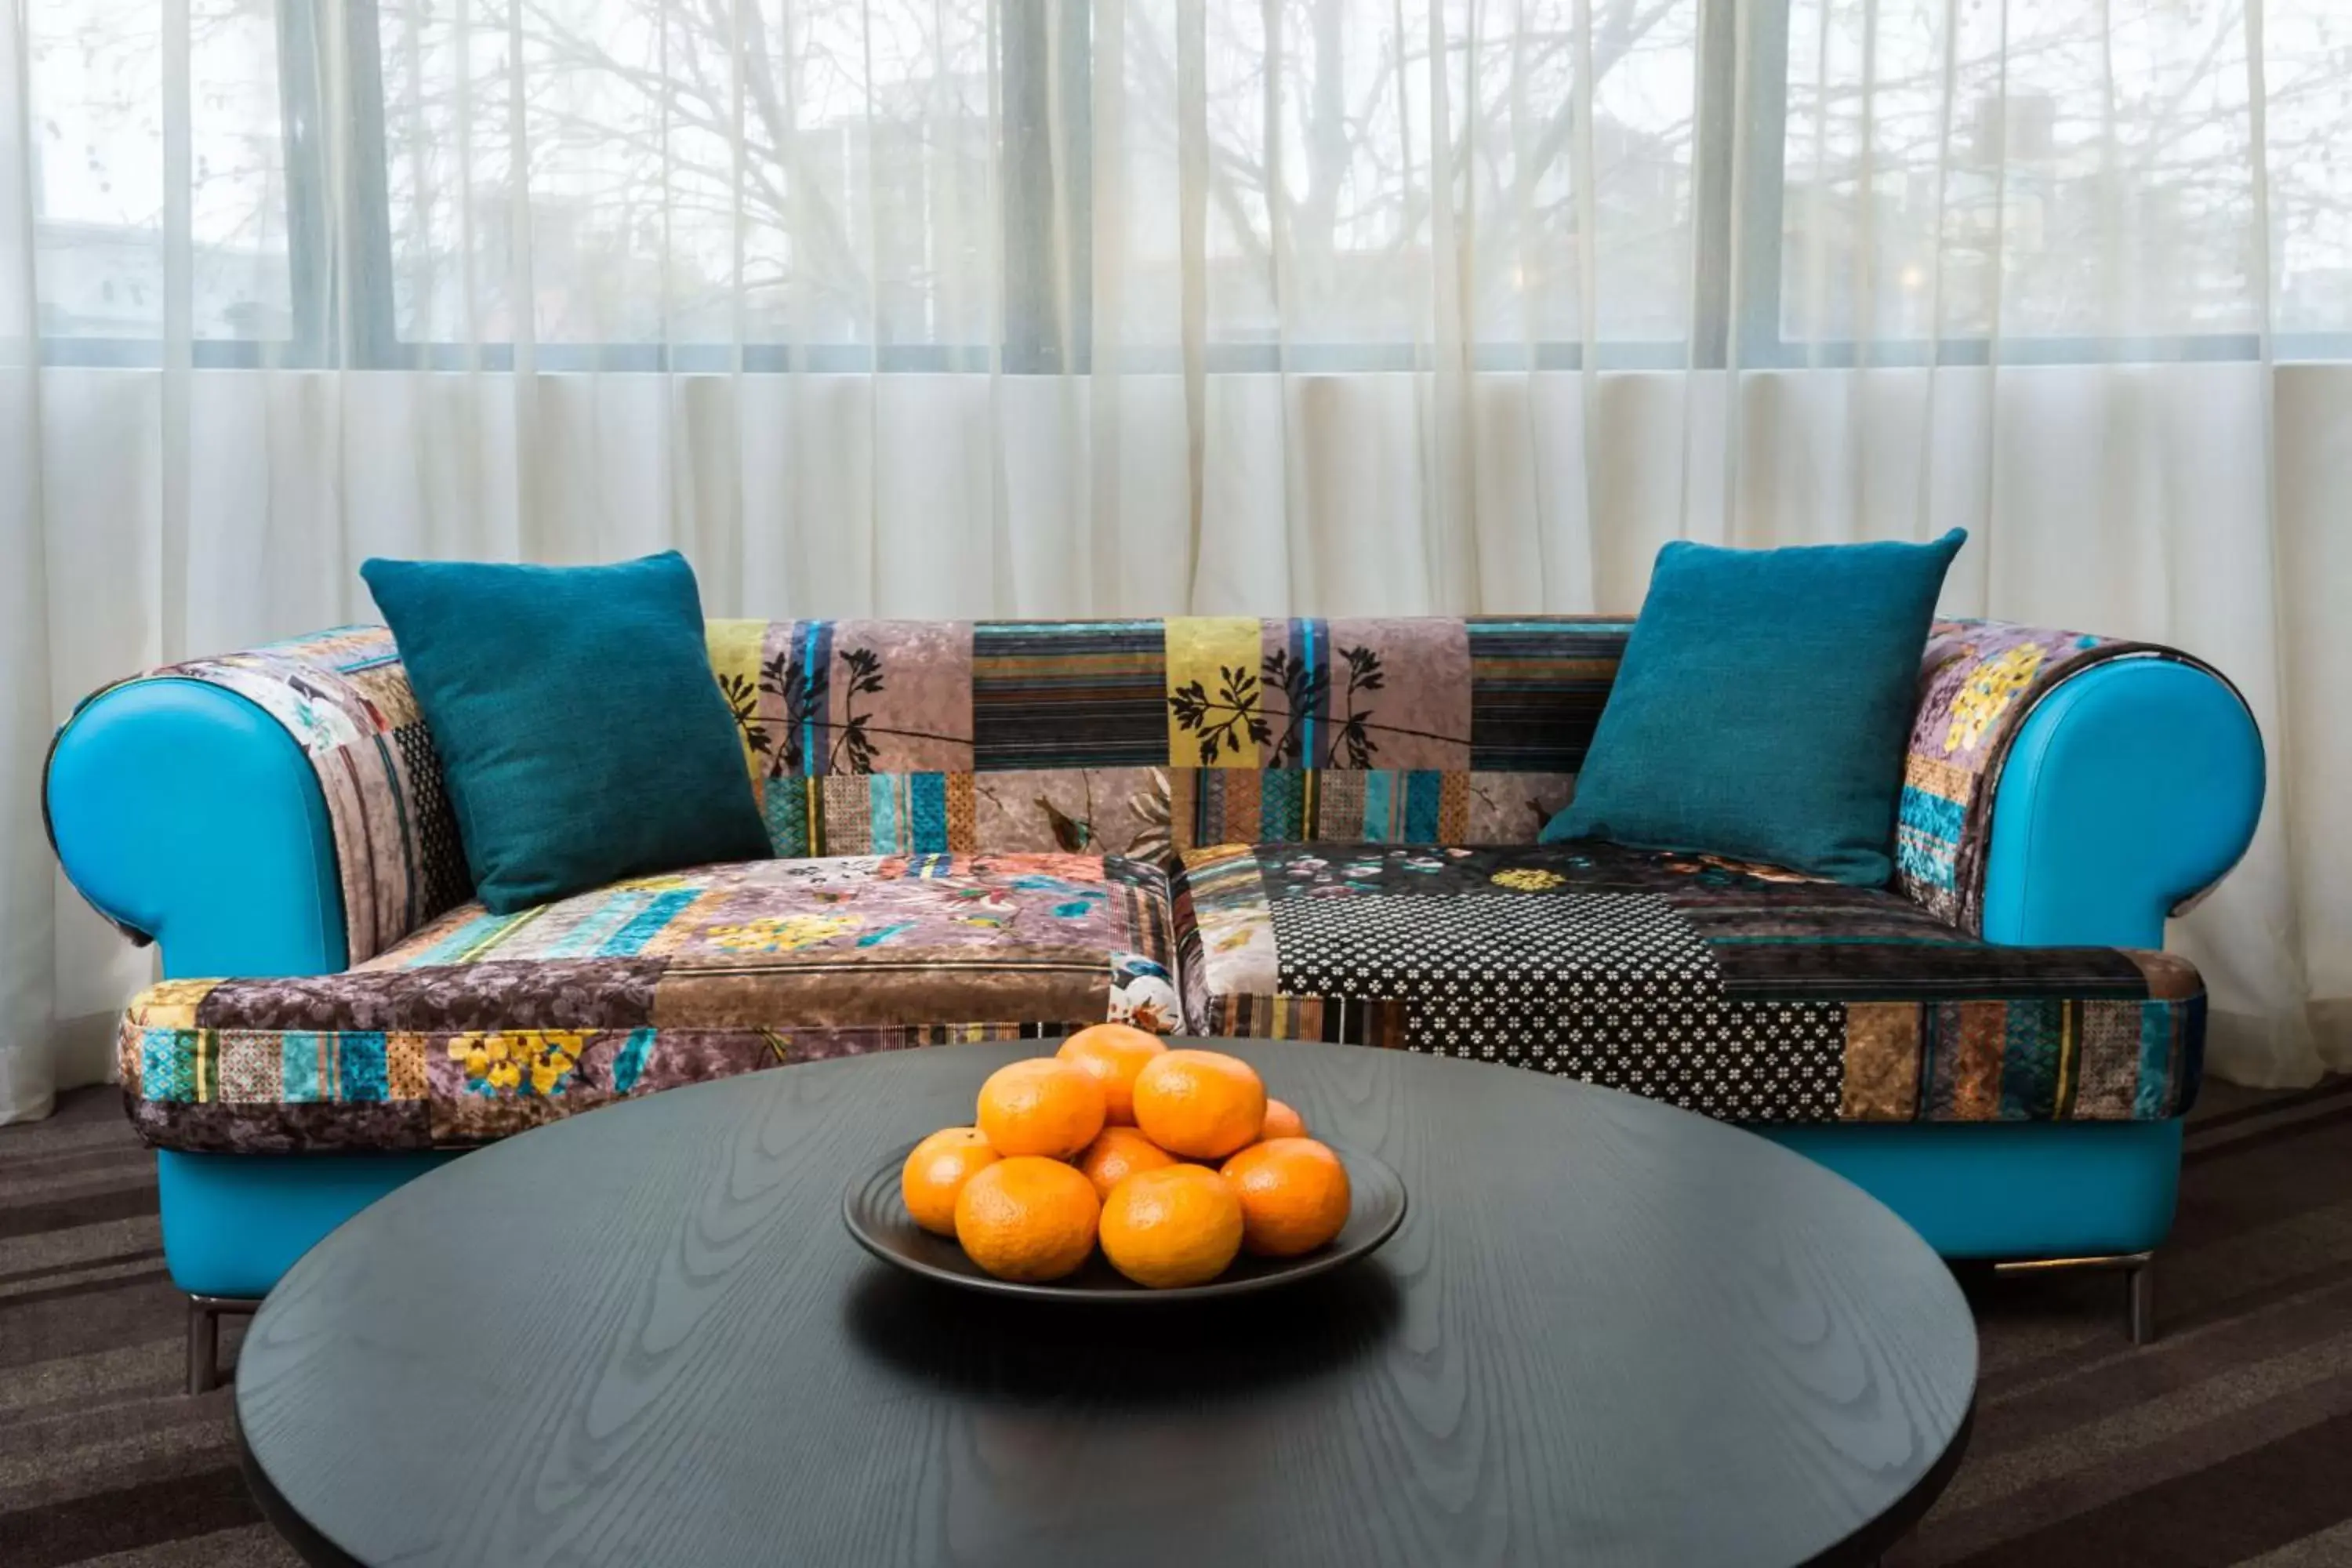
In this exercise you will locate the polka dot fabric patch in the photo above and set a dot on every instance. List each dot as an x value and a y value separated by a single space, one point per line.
1616 989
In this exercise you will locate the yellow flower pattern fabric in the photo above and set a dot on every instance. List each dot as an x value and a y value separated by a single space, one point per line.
504 1061
1989 691
785 933
1978 683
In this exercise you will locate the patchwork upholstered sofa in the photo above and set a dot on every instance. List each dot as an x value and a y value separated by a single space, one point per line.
1220 826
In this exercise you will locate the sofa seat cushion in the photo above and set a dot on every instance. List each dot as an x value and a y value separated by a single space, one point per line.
480 1025
1743 992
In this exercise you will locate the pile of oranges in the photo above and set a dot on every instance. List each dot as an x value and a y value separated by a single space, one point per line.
1174 1160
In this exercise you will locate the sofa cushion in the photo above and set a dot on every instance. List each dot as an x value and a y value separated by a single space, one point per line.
583 736
481 1025
1748 992
1762 706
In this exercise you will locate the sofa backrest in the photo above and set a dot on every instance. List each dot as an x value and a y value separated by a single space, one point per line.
1140 736
1136 737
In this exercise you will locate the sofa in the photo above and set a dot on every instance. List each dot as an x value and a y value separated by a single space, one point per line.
1212 826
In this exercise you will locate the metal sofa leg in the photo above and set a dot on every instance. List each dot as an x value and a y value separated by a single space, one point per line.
2139 1283
204 1313
2138 1270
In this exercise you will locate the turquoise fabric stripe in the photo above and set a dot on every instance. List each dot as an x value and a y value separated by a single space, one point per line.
1924 859
2157 1027
1307 638
297 1058
362 1075
1928 837
597 926
1424 787
630 1061
646 923
816 646
1551 625
1380 805
927 803
882 814
458 942
1931 813
167 1065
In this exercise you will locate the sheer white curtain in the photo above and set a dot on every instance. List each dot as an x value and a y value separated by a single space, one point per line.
974 307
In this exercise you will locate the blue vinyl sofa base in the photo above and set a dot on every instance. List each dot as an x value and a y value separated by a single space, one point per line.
233 1224
2011 1190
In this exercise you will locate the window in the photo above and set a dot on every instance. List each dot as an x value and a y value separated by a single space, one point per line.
2091 195
102 101
849 184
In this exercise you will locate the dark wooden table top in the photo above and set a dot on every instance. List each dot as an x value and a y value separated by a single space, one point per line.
1608 1332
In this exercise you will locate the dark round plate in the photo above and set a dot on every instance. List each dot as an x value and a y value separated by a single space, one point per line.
877 1216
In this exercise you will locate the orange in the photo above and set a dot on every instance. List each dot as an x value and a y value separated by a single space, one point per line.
1203 1105
1293 1193
1114 1053
1027 1219
1281 1121
1041 1107
1117 1154
936 1172
1170 1227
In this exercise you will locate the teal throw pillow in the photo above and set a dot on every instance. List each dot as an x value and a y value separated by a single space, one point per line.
583 736
1762 707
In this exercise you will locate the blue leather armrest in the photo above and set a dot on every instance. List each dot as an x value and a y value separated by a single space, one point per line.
186 813
2130 788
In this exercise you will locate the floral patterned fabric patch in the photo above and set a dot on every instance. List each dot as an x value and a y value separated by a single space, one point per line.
1977 683
481 1025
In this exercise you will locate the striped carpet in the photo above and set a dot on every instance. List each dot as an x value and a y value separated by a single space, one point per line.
2228 1442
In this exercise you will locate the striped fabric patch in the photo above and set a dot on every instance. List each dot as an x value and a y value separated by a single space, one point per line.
1069 694
1338 1019
870 814
469 942
1229 805
1536 689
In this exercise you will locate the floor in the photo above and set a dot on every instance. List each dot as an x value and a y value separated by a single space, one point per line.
2228 1442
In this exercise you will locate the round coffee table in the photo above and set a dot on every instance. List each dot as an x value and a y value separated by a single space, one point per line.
1609 1332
